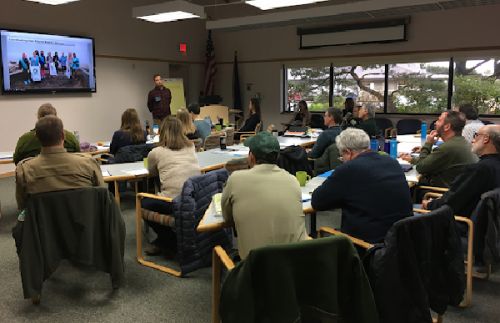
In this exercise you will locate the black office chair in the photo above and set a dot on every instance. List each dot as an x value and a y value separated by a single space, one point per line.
487 122
317 121
383 124
408 126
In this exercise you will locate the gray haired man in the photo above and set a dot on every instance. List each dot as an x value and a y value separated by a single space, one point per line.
367 116
370 188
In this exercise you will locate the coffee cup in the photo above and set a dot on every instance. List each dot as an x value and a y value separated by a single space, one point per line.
302 177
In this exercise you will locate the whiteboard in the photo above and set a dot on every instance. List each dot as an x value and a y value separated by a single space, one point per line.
176 87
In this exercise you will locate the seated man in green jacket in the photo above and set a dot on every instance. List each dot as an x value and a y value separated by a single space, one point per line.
28 144
440 166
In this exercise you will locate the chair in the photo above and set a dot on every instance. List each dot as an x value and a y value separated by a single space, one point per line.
237 164
318 280
317 121
437 192
328 161
408 126
486 122
383 124
239 135
198 144
416 268
294 159
193 248
212 141
82 225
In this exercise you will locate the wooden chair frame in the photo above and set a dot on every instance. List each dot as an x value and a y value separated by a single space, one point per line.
219 258
469 259
138 234
365 245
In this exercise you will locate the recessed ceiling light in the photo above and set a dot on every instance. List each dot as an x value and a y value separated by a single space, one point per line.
273 4
53 2
169 11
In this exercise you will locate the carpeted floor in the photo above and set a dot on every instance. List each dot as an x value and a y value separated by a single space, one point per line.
75 295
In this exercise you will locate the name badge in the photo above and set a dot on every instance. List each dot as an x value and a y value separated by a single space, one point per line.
157 98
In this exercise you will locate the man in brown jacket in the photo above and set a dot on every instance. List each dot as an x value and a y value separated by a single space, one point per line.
54 169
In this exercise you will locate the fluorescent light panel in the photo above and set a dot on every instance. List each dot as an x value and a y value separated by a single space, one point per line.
169 11
168 16
273 4
53 2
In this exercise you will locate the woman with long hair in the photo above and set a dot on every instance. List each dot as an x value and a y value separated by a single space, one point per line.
254 118
188 127
174 161
130 133
302 117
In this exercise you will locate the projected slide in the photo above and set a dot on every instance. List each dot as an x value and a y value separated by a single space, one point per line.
40 62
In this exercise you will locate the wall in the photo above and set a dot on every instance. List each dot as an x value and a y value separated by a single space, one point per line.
263 51
129 52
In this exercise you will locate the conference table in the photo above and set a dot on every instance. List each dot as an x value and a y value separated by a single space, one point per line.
208 160
7 157
213 222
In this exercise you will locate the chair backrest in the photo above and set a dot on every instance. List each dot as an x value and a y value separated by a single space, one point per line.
212 141
84 225
299 282
294 159
408 126
229 136
383 124
237 164
422 262
487 122
194 250
328 161
131 153
198 144
486 218
317 121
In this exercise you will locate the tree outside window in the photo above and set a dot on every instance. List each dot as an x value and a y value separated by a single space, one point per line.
478 82
365 83
311 84
418 87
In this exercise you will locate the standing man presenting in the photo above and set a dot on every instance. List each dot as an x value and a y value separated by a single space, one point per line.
159 100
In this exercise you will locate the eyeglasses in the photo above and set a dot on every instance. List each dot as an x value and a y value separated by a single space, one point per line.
477 134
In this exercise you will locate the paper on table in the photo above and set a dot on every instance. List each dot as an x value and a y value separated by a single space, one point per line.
306 197
6 156
105 173
137 172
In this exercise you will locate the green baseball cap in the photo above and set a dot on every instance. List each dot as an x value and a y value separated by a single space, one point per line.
263 143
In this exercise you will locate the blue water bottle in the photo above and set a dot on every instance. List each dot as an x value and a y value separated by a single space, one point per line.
394 148
374 144
423 132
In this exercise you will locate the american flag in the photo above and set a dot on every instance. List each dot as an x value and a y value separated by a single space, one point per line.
210 68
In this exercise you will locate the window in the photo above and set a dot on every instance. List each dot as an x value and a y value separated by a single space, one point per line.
418 87
311 84
365 83
478 82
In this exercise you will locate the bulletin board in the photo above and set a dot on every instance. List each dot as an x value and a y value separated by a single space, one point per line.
176 87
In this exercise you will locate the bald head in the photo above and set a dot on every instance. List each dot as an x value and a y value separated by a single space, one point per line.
486 140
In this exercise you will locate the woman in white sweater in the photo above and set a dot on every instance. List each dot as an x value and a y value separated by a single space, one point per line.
174 161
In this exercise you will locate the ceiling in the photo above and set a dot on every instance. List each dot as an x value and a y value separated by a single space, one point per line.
222 13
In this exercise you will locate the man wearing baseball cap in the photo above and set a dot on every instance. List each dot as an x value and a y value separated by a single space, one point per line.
264 202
